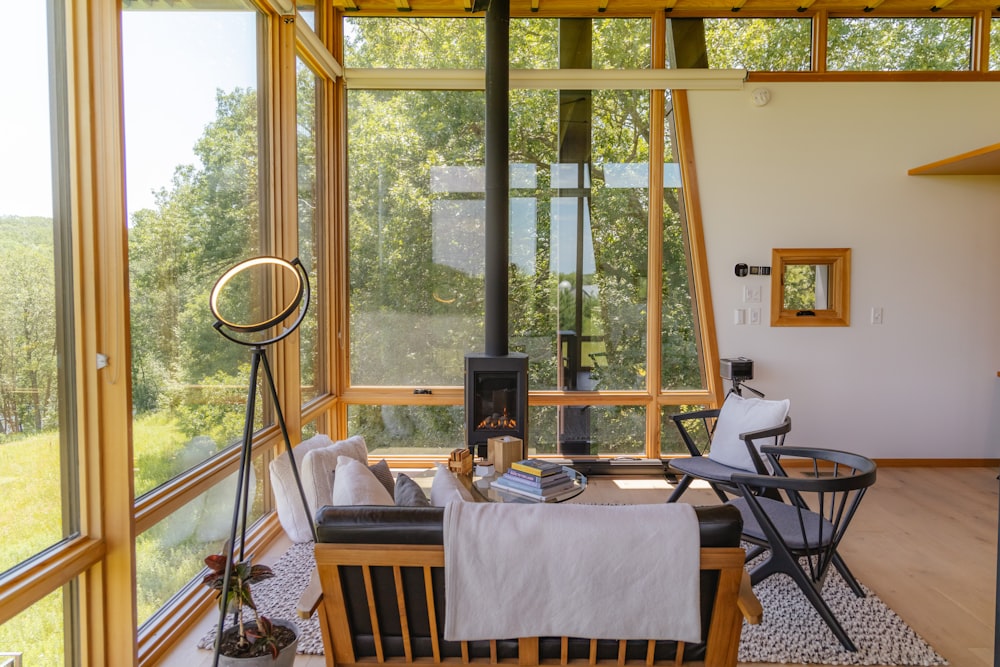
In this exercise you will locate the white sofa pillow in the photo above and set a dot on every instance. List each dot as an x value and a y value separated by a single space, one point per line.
357 485
740 415
293 520
445 487
317 465
297 526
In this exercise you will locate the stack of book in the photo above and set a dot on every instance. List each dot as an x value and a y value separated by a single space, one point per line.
535 479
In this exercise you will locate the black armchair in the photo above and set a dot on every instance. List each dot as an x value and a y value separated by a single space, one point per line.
803 534
697 430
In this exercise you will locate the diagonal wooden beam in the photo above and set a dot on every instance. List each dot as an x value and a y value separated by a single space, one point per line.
403 6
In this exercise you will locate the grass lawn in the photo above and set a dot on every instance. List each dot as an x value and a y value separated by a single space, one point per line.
31 522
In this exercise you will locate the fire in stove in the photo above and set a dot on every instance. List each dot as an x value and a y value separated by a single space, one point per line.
498 421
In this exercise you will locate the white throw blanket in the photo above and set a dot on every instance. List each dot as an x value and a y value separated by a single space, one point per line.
592 571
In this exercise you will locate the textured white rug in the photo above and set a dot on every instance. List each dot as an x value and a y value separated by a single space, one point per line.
792 631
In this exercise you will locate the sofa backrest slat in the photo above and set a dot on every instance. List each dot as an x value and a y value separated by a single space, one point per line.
432 609
366 572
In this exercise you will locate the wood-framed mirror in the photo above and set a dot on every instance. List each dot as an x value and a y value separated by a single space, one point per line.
811 287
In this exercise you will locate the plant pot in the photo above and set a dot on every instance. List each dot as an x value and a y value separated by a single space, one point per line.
286 656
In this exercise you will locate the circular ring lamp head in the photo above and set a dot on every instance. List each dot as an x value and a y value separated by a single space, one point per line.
252 286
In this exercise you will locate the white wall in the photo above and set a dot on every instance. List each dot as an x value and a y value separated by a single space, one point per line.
824 165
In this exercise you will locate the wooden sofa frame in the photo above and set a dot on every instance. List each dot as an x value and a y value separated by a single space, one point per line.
734 601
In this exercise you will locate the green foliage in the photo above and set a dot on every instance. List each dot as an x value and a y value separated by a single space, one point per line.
28 365
769 45
38 633
899 44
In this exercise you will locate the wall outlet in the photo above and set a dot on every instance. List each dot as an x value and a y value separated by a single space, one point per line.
751 294
877 315
755 316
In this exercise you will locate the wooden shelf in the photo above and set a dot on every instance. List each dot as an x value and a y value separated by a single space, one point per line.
983 161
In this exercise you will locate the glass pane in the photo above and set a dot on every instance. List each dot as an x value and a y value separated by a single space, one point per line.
579 220
621 43
680 343
431 43
806 286
587 429
307 10
995 44
534 43
192 195
588 43
416 212
36 425
309 228
670 438
762 45
899 44
408 429
37 634
171 553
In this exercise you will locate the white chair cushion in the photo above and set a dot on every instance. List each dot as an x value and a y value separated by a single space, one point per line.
317 466
740 415
445 487
356 485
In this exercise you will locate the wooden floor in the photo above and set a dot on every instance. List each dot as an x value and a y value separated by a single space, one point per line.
924 539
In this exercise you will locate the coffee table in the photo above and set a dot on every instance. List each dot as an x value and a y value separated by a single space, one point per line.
482 490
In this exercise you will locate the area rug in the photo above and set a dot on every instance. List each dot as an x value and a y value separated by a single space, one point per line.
792 631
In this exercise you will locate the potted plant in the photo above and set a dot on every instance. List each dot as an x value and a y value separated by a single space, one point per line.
247 643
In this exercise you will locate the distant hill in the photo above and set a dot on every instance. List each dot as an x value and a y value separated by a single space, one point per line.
18 232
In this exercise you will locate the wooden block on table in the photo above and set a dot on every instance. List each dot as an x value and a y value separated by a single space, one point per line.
460 461
503 451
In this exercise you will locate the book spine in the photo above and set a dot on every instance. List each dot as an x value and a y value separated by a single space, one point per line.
528 477
507 483
527 487
506 486
532 470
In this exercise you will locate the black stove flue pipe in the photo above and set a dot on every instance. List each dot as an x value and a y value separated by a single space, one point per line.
497 251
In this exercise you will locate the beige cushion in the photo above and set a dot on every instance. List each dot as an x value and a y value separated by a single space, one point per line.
446 488
382 473
741 415
317 467
356 485
293 519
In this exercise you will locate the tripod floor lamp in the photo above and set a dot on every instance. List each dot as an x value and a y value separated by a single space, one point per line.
244 292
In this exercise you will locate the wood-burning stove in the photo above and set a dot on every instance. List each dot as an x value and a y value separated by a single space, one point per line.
496 398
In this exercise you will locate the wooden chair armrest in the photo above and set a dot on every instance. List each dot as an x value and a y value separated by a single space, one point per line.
748 603
311 597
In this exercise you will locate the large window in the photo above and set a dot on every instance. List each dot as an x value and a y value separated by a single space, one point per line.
193 195
579 279
37 418
308 86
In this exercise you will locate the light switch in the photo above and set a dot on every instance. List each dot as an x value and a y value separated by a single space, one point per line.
740 316
755 315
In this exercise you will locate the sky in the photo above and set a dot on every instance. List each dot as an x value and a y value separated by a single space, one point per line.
173 64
